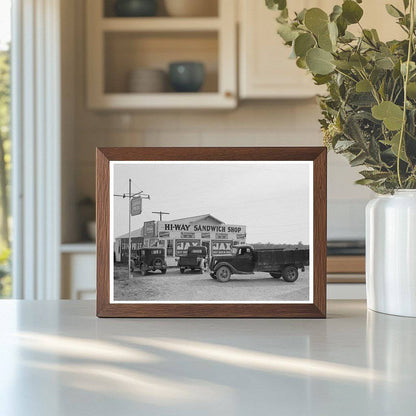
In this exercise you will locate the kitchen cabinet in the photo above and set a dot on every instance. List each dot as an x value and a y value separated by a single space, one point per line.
265 70
118 45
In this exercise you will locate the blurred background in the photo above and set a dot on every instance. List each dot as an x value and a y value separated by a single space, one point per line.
145 73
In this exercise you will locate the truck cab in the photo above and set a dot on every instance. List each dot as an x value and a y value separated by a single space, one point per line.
195 259
247 260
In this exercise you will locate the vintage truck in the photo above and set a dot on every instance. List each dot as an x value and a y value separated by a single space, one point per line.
149 260
247 260
194 260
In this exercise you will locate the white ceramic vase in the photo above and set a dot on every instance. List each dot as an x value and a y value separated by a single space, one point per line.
391 253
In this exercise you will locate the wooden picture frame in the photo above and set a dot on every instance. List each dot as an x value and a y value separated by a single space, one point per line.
317 306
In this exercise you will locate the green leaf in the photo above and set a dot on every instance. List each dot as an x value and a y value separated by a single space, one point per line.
300 17
301 63
374 150
316 20
411 90
286 32
276 4
319 61
336 12
363 86
325 43
375 35
375 175
343 65
303 43
321 79
364 181
385 63
412 67
358 160
351 11
393 11
348 37
394 145
343 145
342 25
391 114
358 61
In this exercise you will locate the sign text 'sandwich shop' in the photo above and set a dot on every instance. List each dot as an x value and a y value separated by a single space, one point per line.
178 235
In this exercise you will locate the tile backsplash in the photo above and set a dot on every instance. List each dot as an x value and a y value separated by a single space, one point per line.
287 123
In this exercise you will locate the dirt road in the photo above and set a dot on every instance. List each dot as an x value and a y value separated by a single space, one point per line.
193 286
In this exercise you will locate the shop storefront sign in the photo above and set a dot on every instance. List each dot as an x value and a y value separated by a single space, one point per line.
187 235
181 246
149 229
221 247
203 228
221 236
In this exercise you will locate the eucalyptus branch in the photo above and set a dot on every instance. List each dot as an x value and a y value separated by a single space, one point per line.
406 80
346 75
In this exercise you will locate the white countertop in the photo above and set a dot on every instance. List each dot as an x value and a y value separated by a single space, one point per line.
56 358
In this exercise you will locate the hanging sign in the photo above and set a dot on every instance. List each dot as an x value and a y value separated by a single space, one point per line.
136 206
149 229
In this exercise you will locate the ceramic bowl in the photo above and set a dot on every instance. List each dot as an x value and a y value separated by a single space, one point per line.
136 8
186 76
147 80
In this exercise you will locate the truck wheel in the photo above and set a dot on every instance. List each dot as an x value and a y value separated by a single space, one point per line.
276 275
182 270
223 274
290 274
143 269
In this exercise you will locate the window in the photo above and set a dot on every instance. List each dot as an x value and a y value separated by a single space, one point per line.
5 147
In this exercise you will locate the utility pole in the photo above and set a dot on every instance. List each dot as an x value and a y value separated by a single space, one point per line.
160 213
136 210
128 264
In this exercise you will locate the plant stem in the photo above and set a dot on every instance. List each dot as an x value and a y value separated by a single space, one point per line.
406 80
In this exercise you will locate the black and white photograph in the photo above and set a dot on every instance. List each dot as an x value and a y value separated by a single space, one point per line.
211 232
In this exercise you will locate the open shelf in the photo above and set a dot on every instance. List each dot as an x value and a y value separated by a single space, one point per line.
127 51
116 46
160 24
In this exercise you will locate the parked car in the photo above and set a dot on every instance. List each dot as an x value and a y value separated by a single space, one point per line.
195 259
247 260
149 260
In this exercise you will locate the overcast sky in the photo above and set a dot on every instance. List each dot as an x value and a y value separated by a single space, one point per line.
272 200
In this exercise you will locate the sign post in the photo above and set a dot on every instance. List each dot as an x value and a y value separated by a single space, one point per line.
129 263
135 208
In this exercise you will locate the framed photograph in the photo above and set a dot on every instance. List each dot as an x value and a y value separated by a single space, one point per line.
211 232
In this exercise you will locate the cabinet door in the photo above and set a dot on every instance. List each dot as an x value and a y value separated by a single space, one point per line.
265 68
